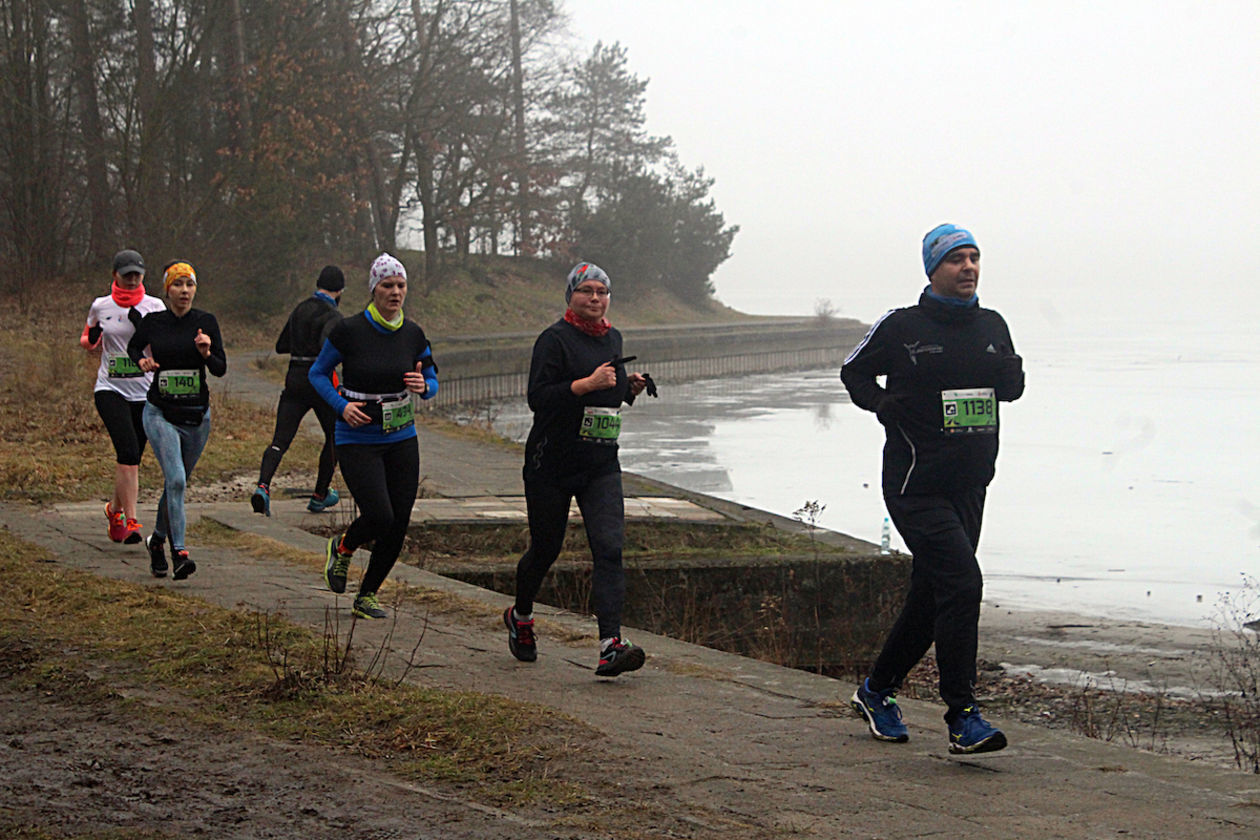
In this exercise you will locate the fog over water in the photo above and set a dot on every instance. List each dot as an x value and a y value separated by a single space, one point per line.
1126 482
1107 158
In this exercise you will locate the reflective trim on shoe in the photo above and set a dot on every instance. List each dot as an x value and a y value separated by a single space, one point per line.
520 636
157 556
260 500
133 532
184 565
117 524
969 733
620 656
336 565
881 712
366 606
320 505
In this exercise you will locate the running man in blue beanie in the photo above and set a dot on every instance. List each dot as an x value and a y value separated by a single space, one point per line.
948 364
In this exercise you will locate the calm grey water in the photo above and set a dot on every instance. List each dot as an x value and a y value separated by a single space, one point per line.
1127 482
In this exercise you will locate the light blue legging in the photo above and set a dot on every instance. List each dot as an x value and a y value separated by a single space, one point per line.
177 449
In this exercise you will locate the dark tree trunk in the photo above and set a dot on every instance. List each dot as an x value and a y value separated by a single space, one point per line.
94 153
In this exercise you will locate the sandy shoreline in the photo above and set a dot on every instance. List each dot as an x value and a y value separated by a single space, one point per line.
1118 654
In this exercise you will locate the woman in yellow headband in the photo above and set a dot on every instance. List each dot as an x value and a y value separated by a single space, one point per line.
185 345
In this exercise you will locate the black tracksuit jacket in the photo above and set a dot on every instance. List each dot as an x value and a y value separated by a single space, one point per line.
923 350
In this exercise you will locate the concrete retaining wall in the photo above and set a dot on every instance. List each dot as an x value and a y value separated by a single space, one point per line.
827 615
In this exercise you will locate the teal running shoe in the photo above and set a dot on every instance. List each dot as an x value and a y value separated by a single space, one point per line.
316 505
261 500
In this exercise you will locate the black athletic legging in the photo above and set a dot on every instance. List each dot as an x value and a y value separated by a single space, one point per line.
297 398
602 504
123 421
383 479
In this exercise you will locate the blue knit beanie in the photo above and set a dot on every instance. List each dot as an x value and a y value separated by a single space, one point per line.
942 239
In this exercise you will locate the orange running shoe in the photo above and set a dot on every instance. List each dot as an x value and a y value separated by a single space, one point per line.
133 532
117 524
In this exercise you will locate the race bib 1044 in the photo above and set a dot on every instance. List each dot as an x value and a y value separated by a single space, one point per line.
179 384
969 411
600 425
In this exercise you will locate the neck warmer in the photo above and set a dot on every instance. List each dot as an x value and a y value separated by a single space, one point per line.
379 319
974 300
327 297
126 297
595 328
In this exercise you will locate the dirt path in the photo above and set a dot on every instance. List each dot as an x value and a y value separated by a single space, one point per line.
704 744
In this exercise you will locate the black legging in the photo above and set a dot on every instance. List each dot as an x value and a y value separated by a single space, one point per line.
383 478
600 499
123 421
297 398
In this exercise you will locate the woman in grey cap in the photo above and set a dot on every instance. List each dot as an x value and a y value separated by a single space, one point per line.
121 386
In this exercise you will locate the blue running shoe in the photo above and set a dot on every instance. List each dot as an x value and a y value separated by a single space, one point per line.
969 733
261 500
320 505
881 711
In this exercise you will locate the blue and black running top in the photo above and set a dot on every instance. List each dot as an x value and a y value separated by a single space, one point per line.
373 360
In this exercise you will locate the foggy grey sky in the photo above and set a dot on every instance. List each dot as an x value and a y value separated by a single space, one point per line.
1102 153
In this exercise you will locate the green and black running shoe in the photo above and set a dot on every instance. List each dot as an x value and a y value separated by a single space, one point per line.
366 606
336 566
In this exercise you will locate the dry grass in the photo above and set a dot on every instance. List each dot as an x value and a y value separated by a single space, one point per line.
228 668
53 445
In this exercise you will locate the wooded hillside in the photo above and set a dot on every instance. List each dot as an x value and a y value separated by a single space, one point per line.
259 138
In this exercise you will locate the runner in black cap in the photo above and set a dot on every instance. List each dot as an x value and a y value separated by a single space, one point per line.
302 337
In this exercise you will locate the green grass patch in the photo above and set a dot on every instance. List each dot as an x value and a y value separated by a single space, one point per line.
61 629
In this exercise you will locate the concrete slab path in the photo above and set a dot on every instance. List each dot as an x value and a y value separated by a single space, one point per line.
749 749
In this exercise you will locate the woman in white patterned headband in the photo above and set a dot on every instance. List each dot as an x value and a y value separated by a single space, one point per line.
386 362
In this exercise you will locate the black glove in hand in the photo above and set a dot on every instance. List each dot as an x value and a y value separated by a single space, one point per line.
650 387
1010 368
890 410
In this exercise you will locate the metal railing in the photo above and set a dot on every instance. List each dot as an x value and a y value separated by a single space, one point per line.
478 389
